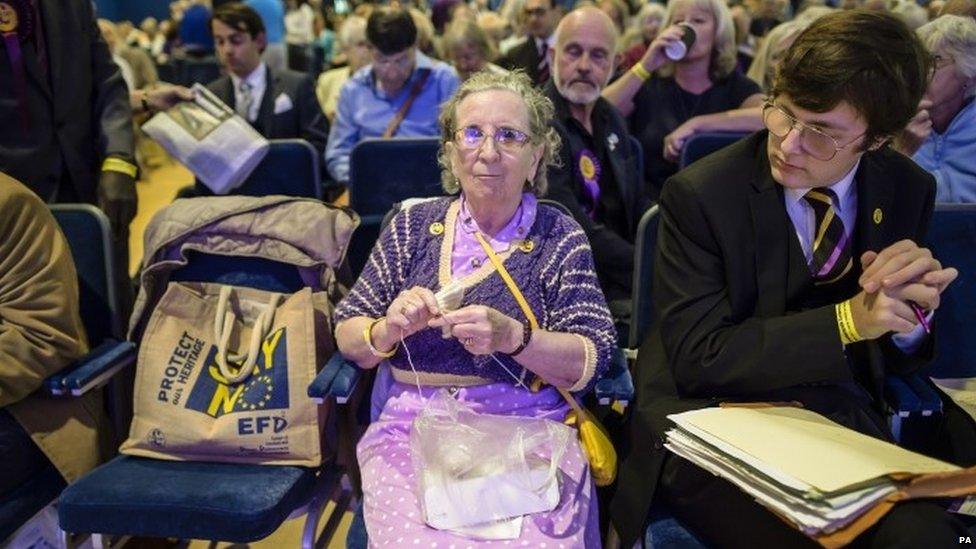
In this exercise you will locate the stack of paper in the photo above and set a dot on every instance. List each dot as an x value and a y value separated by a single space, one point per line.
818 475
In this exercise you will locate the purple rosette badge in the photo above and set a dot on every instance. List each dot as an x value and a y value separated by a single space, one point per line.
588 169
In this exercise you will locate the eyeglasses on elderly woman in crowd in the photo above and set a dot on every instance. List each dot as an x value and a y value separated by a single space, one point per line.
431 305
942 136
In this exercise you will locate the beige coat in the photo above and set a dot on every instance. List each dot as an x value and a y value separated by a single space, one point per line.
299 231
41 332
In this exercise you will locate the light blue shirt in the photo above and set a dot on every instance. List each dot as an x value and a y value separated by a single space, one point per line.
804 219
951 158
365 111
272 13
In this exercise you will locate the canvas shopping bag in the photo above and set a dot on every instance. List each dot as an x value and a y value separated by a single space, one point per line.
222 375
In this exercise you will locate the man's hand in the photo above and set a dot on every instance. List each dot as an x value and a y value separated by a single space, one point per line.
900 263
164 96
876 314
117 198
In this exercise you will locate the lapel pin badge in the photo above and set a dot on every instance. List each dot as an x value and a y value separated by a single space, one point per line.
612 141
436 228
527 246
878 216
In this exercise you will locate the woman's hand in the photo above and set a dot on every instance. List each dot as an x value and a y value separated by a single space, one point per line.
482 330
675 141
411 310
654 57
916 132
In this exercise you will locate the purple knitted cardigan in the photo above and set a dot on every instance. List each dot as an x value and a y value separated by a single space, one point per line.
555 274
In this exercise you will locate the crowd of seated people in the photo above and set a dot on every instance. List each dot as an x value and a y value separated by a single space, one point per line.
845 112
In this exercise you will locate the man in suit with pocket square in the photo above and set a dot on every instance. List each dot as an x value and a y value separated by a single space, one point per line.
280 104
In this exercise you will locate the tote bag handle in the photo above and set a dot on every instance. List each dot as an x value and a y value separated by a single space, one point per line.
223 326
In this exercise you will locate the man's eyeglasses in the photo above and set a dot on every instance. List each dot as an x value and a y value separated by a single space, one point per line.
536 12
509 140
814 142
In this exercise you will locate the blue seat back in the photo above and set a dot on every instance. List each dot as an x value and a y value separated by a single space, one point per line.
383 172
291 168
642 302
703 144
87 231
203 70
952 239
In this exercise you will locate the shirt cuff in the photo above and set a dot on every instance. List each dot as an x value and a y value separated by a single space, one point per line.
910 342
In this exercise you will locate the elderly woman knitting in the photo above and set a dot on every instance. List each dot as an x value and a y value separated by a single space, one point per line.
496 144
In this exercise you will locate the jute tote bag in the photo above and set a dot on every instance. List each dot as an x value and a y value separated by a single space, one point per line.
222 375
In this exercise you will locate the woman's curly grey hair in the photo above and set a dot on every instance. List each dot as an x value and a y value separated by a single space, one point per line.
540 110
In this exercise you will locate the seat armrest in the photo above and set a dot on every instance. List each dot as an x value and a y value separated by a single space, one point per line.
337 378
617 386
93 370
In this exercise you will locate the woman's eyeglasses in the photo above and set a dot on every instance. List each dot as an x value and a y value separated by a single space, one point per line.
813 141
471 138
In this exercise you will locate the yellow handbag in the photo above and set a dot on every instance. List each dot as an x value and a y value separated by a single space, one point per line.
592 436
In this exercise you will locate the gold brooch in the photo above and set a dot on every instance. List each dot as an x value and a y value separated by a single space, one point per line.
436 228
878 216
526 246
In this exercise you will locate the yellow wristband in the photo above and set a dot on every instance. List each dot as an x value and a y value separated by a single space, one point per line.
640 72
113 164
368 337
845 323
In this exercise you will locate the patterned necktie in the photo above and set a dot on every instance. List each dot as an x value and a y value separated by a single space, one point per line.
244 105
543 67
831 244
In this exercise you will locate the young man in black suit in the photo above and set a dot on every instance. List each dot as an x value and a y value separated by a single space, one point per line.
279 104
768 252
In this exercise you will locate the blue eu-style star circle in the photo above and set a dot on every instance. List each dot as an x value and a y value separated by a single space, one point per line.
256 393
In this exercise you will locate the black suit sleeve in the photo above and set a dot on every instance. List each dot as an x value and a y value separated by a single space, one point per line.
613 255
312 121
711 351
112 111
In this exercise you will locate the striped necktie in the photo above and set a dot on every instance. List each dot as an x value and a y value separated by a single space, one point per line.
831 244
246 99
542 69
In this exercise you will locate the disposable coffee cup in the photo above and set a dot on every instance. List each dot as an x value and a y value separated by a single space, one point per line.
677 51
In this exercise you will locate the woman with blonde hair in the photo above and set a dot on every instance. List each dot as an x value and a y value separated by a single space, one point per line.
658 94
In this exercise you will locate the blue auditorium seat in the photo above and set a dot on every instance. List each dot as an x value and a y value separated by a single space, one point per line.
952 239
216 501
290 168
87 231
702 144
383 172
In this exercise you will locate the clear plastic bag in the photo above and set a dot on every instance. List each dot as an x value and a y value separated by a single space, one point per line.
479 470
